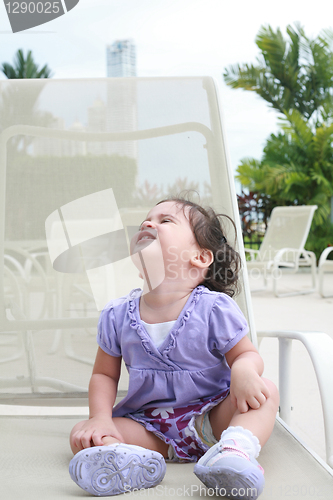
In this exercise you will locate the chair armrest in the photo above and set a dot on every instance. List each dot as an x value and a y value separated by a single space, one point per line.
280 253
309 258
324 255
294 251
320 348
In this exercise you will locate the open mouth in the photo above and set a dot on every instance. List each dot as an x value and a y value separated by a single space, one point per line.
146 235
143 239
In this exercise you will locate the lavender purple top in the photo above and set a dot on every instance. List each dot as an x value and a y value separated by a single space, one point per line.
189 365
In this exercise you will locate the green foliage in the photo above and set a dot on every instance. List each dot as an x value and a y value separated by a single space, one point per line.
295 73
251 174
319 238
25 67
295 76
296 167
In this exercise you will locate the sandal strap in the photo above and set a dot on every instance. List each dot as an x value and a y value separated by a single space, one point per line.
236 450
240 453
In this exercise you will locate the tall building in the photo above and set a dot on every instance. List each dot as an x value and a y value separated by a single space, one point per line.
121 106
121 58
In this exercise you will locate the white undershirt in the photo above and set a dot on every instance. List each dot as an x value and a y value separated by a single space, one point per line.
158 331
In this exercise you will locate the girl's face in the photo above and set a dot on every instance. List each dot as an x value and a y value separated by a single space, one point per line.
168 226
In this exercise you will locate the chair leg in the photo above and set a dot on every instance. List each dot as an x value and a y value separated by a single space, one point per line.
321 284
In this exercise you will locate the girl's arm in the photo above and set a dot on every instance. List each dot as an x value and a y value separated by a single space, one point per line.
102 395
103 384
247 388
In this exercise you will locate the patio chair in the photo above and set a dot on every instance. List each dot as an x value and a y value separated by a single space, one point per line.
282 249
324 266
161 133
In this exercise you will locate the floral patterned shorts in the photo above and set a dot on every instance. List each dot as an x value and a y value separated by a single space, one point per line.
176 426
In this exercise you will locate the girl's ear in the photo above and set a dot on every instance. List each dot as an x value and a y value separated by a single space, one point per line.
202 258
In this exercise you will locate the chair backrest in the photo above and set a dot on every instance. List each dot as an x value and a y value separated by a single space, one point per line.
288 227
80 162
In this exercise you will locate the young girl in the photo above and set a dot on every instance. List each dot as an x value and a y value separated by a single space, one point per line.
195 386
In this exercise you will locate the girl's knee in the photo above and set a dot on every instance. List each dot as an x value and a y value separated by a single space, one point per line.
77 427
274 397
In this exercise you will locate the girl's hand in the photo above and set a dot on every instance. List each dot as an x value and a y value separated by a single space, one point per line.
94 429
247 388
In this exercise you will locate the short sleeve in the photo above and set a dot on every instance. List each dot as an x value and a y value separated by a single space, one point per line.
227 324
107 338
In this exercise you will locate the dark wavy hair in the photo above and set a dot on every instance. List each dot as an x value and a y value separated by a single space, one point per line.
223 273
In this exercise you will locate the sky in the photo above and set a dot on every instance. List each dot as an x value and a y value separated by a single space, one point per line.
173 38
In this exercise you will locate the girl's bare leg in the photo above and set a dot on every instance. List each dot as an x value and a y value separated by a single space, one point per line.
133 433
260 422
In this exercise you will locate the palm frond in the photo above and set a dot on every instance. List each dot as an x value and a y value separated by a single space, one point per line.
322 213
321 181
299 128
250 174
272 46
291 73
25 67
322 143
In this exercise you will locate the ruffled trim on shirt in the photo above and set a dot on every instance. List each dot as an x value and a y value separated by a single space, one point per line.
134 323
183 318
179 325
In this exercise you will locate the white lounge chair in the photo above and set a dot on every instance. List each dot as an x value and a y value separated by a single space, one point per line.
282 248
157 130
324 266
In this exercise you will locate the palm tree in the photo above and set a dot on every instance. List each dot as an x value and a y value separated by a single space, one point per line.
297 169
295 76
295 73
25 67
12 102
